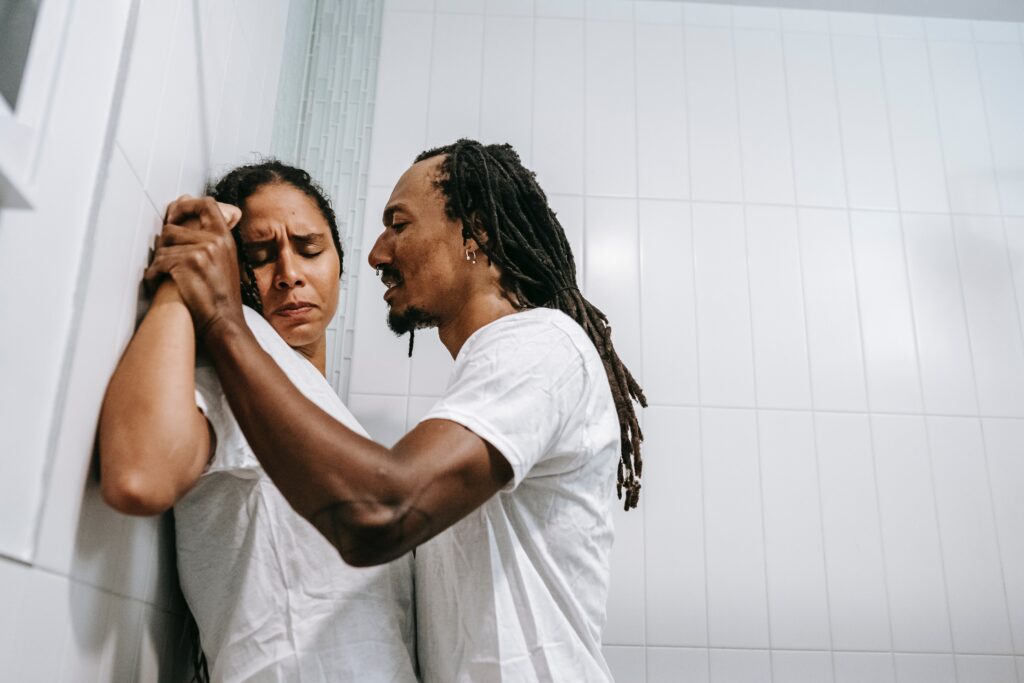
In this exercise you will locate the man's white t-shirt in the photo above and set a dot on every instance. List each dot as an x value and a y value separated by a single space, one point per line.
273 599
516 591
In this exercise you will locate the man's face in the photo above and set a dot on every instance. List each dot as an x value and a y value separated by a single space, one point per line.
288 242
420 253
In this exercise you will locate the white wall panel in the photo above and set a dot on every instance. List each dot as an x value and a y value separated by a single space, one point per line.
1004 444
917 146
996 341
794 542
801 667
890 348
715 167
610 109
870 178
612 273
661 110
740 666
382 416
985 668
853 546
943 343
668 311
506 101
674 537
965 138
558 105
403 87
431 364
671 665
970 546
626 663
764 117
814 115
916 668
1001 67
147 73
454 95
833 322
910 535
777 308
723 306
737 597
627 605
389 374
864 667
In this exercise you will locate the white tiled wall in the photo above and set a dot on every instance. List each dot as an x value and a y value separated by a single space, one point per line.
808 231
100 602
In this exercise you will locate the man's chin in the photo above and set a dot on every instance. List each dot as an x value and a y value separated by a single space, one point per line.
410 319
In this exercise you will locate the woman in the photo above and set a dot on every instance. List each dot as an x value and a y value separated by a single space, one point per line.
272 598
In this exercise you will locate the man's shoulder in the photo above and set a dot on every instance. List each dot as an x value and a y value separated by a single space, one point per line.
542 326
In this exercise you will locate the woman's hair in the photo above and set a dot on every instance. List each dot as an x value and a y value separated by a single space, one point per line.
243 182
500 204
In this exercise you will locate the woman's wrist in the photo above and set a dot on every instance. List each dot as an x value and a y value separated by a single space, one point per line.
167 292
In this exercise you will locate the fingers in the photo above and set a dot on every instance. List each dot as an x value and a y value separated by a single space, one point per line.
172 235
206 209
232 214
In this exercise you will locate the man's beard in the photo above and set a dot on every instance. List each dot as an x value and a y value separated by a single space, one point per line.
412 319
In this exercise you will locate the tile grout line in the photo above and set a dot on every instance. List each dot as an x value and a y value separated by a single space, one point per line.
638 242
810 367
696 331
917 357
860 326
753 342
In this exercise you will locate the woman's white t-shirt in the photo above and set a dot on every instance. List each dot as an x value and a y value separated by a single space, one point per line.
516 590
273 599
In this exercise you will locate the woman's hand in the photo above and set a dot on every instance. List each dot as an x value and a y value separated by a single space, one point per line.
196 249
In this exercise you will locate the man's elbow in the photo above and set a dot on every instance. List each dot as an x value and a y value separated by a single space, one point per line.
134 493
364 538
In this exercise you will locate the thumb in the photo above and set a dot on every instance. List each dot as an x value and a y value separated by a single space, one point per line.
232 214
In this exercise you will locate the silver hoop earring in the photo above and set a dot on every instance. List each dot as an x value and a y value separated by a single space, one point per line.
471 255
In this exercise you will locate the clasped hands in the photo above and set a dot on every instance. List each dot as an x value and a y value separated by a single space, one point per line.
197 251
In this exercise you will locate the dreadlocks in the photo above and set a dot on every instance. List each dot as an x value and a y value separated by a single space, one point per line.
244 181
499 201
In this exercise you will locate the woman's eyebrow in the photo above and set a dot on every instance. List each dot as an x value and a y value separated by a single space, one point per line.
308 238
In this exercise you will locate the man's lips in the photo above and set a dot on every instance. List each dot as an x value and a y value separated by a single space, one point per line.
294 308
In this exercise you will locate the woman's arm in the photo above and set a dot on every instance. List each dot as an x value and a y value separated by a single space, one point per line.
153 440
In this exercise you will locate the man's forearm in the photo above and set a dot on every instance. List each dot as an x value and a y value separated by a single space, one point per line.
344 483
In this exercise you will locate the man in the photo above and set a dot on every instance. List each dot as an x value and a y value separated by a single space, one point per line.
504 488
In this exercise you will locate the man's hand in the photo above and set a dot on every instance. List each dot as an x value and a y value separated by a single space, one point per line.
201 259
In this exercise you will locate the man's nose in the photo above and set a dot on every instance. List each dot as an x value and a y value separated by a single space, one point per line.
380 254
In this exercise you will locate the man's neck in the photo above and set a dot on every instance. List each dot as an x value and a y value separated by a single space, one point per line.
473 315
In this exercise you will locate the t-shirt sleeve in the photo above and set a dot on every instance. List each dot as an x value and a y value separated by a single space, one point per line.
232 453
517 389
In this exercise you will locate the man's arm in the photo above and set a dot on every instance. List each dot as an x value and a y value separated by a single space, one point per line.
373 503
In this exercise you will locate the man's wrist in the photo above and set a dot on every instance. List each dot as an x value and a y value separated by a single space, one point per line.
220 330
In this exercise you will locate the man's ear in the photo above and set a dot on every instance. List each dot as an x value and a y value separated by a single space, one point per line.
473 233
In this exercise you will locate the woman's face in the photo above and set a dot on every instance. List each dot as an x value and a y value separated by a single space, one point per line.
288 242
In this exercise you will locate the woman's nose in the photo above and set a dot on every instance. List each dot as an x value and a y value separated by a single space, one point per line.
288 274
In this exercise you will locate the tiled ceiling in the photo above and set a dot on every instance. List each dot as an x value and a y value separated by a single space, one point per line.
995 10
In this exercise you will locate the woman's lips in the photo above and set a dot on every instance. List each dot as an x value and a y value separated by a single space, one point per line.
295 310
